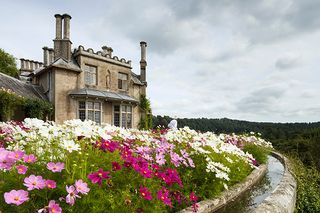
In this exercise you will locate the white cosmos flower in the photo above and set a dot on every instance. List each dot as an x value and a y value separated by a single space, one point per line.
70 145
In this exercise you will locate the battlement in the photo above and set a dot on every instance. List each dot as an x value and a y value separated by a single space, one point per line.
27 65
105 54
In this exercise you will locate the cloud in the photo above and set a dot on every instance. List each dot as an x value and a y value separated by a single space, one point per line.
262 101
290 60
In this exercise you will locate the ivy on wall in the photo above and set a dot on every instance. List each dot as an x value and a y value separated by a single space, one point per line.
146 115
12 104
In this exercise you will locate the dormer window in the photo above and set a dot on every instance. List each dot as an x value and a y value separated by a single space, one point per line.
122 81
90 75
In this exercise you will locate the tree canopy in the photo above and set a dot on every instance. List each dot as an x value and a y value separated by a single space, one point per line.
8 64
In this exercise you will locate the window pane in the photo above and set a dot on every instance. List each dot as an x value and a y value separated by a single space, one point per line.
117 108
82 115
116 119
129 120
97 117
122 76
90 105
97 106
119 84
124 120
123 108
82 105
129 109
90 74
90 115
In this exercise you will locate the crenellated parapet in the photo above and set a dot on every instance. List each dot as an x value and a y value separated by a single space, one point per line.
27 65
105 54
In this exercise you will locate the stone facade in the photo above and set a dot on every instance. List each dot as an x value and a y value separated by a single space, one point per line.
86 84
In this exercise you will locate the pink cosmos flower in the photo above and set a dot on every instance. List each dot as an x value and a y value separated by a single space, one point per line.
55 167
5 161
145 193
16 197
116 166
54 207
97 177
16 155
73 194
21 169
51 184
29 158
34 182
163 195
82 187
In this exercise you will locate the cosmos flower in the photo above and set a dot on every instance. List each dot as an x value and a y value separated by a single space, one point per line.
21 169
116 166
34 182
16 197
51 184
73 194
70 146
145 193
97 177
81 187
163 195
54 207
29 158
55 167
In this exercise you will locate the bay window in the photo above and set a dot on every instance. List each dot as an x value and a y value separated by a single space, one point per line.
122 116
90 110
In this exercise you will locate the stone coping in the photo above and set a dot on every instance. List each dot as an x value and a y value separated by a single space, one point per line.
283 198
231 194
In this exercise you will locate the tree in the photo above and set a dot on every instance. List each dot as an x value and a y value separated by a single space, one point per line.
8 64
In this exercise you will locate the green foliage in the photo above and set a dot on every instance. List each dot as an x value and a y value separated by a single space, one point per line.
260 153
11 103
146 117
308 192
8 64
36 108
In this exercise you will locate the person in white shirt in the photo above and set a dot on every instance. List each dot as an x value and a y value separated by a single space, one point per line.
173 123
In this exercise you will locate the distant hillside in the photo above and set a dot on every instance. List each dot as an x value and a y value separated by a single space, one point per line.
302 139
225 125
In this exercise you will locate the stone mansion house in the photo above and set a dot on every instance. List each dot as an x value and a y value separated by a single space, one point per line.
85 84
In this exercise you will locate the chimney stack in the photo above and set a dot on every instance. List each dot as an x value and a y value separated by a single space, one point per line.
58 26
143 62
45 56
66 26
62 46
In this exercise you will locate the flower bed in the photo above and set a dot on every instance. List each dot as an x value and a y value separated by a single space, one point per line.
81 167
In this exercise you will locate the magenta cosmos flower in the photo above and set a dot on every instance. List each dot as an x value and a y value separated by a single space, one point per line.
73 194
34 182
116 166
55 167
163 195
145 193
16 197
51 184
29 158
82 187
21 169
97 177
54 207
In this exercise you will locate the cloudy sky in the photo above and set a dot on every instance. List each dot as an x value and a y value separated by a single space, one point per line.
250 60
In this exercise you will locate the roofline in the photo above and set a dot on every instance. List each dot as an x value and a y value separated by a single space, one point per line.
101 58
